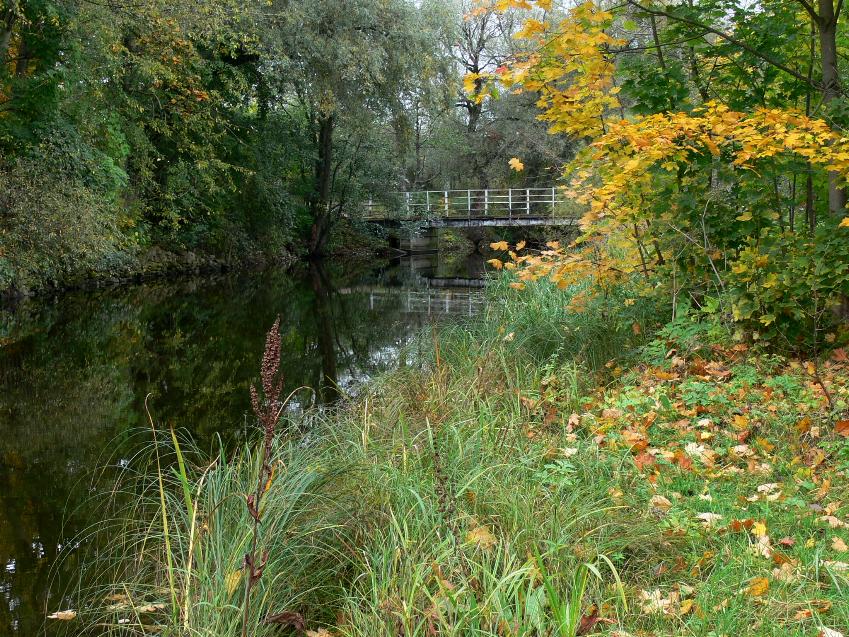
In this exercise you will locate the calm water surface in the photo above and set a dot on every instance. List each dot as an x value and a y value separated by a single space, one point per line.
74 374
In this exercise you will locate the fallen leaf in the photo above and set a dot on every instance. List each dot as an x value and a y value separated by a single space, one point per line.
787 572
321 632
757 587
787 541
842 428
643 460
710 519
636 441
661 502
741 422
588 622
840 567
829 632
839 545
287 618
654 602
833 522
63 615
516 164
482 536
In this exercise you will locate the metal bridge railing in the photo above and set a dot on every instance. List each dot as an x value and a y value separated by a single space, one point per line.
504 203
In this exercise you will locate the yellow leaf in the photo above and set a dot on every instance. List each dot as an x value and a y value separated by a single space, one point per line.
520 246
499 245
757 587
233 580
839 545
482 536
844 223
516 164
759 529
746 216
517 285
496 263
740 422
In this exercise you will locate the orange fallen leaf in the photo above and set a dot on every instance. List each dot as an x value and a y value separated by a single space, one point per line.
842 428
757 587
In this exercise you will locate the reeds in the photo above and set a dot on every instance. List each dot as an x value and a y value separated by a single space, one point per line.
425 508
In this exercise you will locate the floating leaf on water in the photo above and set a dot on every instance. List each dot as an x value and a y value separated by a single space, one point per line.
63 615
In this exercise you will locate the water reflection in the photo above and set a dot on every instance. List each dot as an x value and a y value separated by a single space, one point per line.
74 374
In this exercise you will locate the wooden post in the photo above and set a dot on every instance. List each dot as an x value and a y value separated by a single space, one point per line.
527 201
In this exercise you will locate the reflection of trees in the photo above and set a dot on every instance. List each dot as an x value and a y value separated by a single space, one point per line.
325 332
74 375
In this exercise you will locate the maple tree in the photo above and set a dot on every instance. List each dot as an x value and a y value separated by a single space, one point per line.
694 194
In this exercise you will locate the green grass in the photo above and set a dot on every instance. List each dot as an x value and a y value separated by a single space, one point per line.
490 487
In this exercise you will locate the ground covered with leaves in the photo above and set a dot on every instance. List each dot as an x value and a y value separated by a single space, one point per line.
741 461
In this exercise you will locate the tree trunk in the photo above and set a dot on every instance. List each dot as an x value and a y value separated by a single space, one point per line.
22 64
830 90
7 22
320 203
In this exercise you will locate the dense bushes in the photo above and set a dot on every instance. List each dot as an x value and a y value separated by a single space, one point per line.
58 218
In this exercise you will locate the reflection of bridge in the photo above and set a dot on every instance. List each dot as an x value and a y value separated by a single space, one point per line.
475 208
448 296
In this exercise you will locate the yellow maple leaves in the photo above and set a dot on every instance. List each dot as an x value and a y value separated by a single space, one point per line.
516 164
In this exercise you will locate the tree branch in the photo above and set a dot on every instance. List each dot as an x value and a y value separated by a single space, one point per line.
728 38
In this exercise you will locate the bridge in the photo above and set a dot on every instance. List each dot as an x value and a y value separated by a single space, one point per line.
475 208
459 297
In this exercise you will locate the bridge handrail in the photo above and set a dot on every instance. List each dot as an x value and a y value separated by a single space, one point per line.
485 202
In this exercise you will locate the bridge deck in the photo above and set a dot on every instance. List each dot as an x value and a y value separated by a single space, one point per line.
478 222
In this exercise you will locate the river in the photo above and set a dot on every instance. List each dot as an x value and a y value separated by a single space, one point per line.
75 372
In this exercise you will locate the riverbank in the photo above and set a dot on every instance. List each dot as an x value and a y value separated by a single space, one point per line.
533 472
156 262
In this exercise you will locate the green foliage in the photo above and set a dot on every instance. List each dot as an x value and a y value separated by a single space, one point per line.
59 214
787 287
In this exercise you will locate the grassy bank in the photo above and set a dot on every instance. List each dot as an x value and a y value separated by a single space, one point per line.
535 472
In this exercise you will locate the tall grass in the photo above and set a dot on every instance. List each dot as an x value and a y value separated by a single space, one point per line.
429 506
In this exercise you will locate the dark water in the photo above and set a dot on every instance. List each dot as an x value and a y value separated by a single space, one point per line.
74 374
